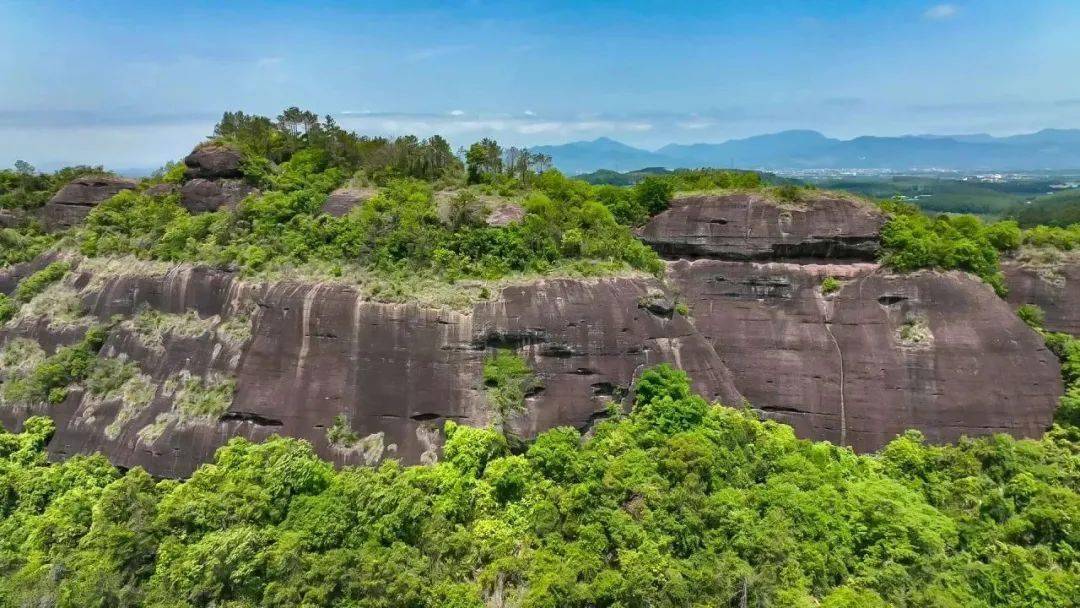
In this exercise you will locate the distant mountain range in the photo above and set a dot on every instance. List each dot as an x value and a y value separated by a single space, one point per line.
1048 150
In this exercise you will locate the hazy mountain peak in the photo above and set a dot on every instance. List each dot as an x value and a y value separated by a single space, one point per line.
809 149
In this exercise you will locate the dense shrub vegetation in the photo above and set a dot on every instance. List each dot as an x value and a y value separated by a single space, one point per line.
24 188
912 240
298 159
22 245
1063 238
1067 349
399 229
1059 209
39 281
49 381
681 503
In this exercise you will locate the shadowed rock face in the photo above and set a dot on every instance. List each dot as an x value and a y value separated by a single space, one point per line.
70 206
395 372
934 351
1056 292
214 162
750 227
204 195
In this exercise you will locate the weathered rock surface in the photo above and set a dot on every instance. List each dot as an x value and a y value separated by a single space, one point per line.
395 372
204 195
506 214
214 162
70 206
10 218
1056 290
342 200
938 352
752 227
164 189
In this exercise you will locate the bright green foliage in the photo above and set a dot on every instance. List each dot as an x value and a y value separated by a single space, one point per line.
713 179
911 240
340 433
653 194
1067 349
23 244
508 379
678 504
206 398
397 230
830 285
1065 239
24 188
50 379
1032 315
322 147
37 282
8 308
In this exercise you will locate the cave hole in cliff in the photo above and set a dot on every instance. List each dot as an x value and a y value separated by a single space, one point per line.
252 418
890 299
425 417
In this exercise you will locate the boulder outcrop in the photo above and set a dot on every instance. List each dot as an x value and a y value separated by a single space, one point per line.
755 227
9 218
70 206
204 195
1053 288
214 162
304 357
505 214
164 189
938 352
342 200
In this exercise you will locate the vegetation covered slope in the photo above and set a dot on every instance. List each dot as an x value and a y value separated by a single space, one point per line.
681 503
1059 209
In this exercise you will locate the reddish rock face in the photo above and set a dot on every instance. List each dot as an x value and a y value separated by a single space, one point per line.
214 162
203 195
938 352
70 206
1056 291
751 227
395 372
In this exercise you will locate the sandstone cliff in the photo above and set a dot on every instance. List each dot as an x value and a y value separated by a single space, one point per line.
1055 288
297 356
211 356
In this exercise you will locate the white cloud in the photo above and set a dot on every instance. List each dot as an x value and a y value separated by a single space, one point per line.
517 129
941 12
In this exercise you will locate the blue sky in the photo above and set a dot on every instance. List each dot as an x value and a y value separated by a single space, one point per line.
134 84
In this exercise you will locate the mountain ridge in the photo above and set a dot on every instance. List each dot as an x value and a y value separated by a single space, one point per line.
1047 149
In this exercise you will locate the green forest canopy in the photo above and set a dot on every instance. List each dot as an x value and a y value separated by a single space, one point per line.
680 503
